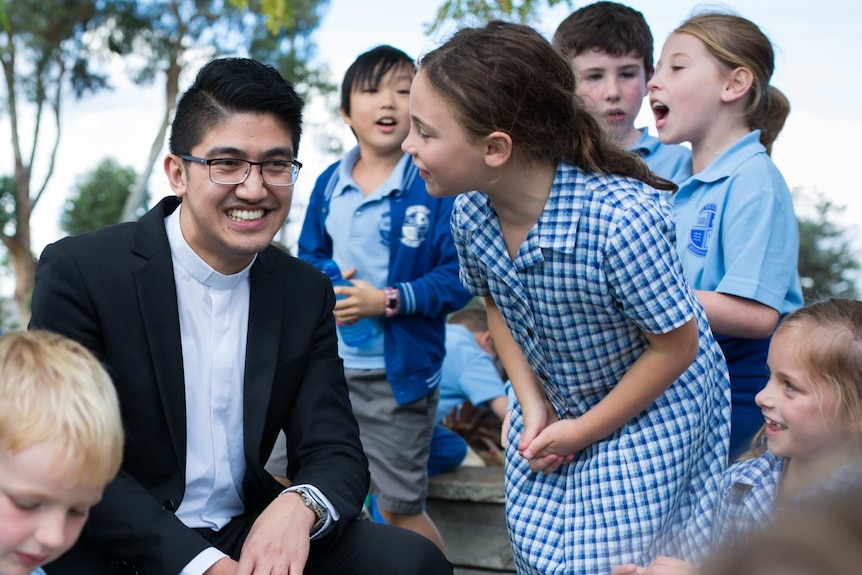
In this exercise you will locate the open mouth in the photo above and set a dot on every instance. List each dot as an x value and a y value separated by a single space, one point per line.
386 122
774 425
659 110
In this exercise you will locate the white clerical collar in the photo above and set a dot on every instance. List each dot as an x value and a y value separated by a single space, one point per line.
192 263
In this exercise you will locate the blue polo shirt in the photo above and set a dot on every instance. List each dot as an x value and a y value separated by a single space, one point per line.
360 228
670 161
736 229
468 372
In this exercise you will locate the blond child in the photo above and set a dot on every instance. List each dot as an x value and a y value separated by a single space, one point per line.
811 441
737 234
61 442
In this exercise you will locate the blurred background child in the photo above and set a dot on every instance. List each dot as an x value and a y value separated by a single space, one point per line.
610 47
61 442
737 234
469 374
821 536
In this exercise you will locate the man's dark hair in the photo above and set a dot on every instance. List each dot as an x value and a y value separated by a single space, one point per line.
228 86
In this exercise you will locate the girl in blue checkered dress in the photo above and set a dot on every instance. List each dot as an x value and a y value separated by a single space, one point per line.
622 393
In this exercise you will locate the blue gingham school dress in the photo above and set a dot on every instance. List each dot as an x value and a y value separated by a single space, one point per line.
599 267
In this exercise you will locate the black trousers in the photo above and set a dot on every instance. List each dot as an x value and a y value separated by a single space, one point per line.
363 548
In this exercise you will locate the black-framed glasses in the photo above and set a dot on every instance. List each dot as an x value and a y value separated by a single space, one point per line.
233 171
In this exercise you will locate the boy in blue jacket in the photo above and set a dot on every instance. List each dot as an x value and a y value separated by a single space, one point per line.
371 214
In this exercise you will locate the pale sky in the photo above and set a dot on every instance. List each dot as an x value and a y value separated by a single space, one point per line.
818 47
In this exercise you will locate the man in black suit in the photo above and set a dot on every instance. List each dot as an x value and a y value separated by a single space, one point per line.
216 341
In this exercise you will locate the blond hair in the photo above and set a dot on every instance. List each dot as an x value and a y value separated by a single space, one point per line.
738 43
472 317
831 353
54 391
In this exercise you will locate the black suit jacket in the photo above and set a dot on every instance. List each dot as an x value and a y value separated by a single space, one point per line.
113 290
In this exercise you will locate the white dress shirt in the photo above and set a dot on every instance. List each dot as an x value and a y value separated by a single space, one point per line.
213 311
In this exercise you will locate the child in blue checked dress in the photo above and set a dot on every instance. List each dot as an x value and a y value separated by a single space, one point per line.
810 444
622 393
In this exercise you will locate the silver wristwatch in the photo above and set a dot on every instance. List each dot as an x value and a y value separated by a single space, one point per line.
312 502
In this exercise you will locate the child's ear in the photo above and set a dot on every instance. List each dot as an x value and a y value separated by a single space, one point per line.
738 84
345 116
498 149
483 338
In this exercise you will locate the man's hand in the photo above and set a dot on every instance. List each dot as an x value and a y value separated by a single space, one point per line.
278 542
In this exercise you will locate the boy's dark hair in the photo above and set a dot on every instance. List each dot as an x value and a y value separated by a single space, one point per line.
609 27
228 86
368 68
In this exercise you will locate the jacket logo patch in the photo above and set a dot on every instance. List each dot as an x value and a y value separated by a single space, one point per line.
416 224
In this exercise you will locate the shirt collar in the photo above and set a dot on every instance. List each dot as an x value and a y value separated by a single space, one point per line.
645 145
198 269
394 183
744 148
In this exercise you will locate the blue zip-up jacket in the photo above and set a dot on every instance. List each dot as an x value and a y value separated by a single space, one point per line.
426 277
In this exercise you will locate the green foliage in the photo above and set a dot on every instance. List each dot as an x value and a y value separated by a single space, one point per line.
290 48
99 198
826 260
49 39
475 12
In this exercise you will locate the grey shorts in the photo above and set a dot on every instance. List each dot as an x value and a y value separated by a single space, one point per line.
396 439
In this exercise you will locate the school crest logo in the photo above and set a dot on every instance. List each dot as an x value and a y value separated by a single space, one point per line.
698 237
415 228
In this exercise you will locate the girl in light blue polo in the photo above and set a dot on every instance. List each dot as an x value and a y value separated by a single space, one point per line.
623 399
737 233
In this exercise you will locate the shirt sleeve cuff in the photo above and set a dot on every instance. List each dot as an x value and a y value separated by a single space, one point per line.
203 561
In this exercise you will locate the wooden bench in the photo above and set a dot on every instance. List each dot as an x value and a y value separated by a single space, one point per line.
468 507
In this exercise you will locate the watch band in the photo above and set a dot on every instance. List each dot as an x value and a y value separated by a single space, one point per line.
393 302
314 504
